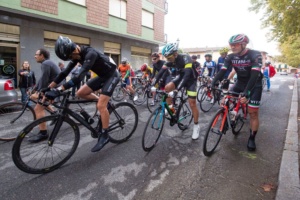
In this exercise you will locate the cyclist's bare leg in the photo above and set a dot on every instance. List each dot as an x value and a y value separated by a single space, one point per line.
168 88
254 119
85 92
195 110
102 107
130 89
40 112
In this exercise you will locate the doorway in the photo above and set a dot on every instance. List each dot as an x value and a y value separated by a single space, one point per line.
8 62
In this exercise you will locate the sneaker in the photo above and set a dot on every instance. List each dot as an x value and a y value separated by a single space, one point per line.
212 101
196 132
39 137
152 103
251 144
135 98
103 139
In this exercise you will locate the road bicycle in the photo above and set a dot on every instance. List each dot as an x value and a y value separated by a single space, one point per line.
179 114
17 115
64 134
230 115
121 92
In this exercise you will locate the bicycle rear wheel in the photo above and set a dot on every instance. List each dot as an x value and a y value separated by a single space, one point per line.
153 104
16 117
214 133
153 129
118 94
200 92
41 157
206 101
184 116
123 121
142 96
238 123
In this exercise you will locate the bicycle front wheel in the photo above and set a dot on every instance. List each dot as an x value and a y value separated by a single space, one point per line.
184 116
153 129
42 157
200 92
118 94
141 94
238 123
123 121
16 117
214 133
206 101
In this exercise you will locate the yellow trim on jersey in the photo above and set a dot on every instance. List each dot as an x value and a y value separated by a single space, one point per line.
189 65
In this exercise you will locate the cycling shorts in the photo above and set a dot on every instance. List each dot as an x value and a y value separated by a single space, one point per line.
107 85
191 87
255 94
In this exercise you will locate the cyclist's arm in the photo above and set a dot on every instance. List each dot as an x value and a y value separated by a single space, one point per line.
232 73
255 74
62 75
188 72
219 75
153 72
160 74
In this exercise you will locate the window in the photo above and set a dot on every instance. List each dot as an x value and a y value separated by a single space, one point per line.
147 19
80 2
117 8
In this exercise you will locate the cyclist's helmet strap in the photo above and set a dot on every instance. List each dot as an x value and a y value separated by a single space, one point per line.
169 49
64 47
239 38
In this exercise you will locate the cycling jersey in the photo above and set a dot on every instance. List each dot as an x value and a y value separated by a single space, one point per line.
124 70
197 66
211 65
220 64
90 59
148 73
156 67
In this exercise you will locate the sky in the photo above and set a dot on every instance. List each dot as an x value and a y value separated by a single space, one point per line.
210 23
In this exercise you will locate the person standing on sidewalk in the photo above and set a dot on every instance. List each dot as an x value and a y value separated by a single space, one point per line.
27 80
49 72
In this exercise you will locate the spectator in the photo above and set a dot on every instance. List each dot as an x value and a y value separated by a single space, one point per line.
27 80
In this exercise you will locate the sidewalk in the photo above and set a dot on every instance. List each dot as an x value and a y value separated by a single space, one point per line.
288 181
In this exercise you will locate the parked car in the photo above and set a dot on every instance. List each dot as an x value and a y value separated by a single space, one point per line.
283 73
7 91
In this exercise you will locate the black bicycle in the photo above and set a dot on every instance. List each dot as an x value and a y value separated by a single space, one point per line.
50 154
180 115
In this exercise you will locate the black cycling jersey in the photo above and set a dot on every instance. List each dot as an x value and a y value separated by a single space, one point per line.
91 59
247 67
157 67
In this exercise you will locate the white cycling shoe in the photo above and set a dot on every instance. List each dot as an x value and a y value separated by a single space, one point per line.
196 131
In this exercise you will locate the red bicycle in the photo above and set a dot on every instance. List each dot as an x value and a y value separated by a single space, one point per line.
231 115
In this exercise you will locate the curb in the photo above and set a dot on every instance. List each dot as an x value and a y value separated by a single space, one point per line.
288 181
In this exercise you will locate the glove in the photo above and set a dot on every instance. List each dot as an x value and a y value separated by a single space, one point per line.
52 94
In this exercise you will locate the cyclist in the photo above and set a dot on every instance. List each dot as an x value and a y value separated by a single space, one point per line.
147 71
187 77
125 70
196 64
223 53
107 78
247 65
210 65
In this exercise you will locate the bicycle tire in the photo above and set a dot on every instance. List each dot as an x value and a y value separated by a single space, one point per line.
142 96
10 112
118 94
26 155
200 92
238 123
156 102
213 134
152 133
205 102
124 127
184 116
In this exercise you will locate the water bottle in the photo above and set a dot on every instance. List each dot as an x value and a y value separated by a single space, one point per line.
87 117
232 115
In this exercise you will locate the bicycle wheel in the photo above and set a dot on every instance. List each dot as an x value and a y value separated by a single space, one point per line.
153 104
41 157
123 121
200 92
118 94
238 123
214 133
184 116
153 129
14 116
206 101
142 96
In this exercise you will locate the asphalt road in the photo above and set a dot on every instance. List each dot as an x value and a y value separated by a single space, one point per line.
175 169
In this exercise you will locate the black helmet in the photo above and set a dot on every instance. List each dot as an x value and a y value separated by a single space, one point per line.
208 55
194 57
64 47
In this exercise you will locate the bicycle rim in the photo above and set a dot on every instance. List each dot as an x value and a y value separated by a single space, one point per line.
238 124
153 129
38 158
205 102
200 92
118 94
214 133
140 92
123 121
14 116
156 103
184 116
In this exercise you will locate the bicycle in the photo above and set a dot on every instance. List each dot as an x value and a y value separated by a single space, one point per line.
222 121
50 154
17 115
120 93
181 115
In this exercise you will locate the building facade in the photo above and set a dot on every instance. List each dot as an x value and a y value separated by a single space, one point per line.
131 29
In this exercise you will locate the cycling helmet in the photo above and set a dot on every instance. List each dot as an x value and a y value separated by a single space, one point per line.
224 50
124 61
208 55
64 47
155 55
239 38
169 49
144 67
194 57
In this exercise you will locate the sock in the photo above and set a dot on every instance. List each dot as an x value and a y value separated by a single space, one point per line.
253 133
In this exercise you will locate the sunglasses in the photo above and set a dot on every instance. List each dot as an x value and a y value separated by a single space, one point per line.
154 59
170 56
